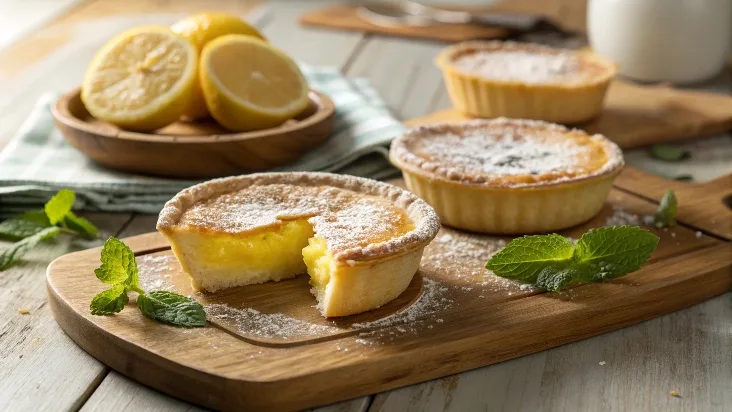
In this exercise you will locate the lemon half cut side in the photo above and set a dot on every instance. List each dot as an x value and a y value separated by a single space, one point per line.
200 29
249 84
142 79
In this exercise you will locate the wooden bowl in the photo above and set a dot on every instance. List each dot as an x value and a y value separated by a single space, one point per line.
197 149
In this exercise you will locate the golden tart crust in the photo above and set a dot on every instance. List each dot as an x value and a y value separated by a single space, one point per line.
508 176
527 81
374 232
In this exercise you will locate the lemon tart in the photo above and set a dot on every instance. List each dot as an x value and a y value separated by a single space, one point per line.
359 240
508 176
525 81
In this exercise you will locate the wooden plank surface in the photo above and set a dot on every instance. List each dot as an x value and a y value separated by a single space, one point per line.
625 386
630 369
36 358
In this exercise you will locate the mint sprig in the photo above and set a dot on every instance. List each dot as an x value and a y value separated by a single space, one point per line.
119 269
552 261
56 217
666 211
11 254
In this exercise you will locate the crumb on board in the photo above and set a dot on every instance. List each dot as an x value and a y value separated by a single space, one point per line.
24 311
602 363
675 394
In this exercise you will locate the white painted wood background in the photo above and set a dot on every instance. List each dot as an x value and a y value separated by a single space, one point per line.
635 368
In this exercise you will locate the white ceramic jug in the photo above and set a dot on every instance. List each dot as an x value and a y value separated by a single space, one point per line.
680 41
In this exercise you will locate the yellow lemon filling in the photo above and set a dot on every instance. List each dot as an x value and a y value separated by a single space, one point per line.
319 263
283 253
277 251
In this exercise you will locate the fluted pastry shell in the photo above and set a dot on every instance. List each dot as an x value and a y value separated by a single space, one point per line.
573 97
449 166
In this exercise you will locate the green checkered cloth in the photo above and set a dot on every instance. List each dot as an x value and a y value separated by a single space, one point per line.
37 162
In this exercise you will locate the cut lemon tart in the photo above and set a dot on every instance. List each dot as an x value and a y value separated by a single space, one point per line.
359 240
525 81
508 176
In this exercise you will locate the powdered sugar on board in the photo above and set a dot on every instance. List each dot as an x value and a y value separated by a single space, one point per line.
432 301
156 272
249 321
458 259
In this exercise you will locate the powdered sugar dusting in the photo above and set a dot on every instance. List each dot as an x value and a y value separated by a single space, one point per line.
523 66
622 217
358 221
461 257
156 272
253 207
357 217
250 321
432 301
506 152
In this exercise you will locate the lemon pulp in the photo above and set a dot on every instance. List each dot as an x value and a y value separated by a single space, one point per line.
142 79
318 261
277 253
250 85
290 250
200 29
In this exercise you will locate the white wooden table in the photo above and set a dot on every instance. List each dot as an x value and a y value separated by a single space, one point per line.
635 368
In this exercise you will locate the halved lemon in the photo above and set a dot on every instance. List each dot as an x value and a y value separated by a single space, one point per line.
249 84
200 29
142 79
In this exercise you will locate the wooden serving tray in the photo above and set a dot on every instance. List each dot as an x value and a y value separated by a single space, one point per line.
636 115
198 149
347 17
267 348
570 15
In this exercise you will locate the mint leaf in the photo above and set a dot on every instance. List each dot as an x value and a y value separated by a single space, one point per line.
37 216
669 153
24 225
110 301
118 264
555 277
15 251
525 257
666 211
59 205
80 225
16 229
610 252
172 308
684 178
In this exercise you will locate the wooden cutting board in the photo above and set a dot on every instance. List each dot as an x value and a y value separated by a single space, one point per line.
267 348
569 14
347 17
636 115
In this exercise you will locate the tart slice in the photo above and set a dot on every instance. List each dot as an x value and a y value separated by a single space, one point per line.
525 81
508 176
360 240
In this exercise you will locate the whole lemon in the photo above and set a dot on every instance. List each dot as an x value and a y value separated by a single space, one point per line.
199 29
